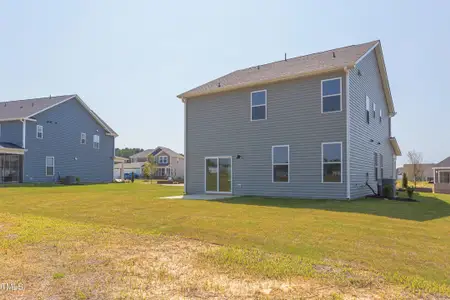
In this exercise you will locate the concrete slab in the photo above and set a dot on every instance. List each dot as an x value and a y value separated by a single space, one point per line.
199 197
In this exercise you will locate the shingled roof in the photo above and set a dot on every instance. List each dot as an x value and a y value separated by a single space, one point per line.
27 108
291 68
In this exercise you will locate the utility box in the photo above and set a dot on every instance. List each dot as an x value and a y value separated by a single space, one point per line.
388 182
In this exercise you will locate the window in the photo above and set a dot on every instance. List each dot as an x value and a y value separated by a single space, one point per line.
444 177
367 109
375 165
381 167
332 162
163 159
374 110
381 116
96 142
259 105
331 95
39 132
49 166
280 163
83 138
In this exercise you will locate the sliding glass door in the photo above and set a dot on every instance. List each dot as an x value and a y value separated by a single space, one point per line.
218 174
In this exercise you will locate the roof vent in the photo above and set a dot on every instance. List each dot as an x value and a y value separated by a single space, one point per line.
218 84
50 97
257 67
285 56
32 104
21 107
334 54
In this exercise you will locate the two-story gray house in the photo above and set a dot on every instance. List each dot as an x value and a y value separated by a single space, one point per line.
314 126
47 139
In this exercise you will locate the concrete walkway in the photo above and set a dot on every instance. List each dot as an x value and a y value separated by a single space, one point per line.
198 197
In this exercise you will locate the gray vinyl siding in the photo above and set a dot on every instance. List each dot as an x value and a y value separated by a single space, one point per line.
162 153
219 125
63 125
361 148
11 132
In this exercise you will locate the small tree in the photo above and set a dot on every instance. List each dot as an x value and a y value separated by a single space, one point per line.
415 159
151 165
405 181
146 170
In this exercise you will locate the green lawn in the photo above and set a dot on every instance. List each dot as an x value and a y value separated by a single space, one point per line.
405 243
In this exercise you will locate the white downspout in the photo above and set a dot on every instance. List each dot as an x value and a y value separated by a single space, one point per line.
347 100
185 144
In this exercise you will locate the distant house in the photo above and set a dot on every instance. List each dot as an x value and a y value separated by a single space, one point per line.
424 171
170 163
136 168
46 139
442 176
313 126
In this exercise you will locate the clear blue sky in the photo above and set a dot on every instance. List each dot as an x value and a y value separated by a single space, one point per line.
129 59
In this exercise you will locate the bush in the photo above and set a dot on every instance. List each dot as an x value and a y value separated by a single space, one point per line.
405 181
132 177
410 191
77 179
388 191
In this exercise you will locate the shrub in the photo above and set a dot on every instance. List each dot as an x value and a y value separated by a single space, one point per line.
405 181
132 177
388 191
77 180
410 191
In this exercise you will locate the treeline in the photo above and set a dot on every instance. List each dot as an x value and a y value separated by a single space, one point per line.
127 152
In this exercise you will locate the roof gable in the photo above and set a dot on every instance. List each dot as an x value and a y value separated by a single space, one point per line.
444 164
28 108
297 67
291 68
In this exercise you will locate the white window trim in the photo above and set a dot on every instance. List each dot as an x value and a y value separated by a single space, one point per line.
374 113
251 105
39 131
161 161
94 142
218 177
381 116
329 163
47 166
322 96
282 164
83 136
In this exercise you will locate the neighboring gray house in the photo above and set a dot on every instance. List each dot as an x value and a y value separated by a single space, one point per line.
314 126
46 139
441 173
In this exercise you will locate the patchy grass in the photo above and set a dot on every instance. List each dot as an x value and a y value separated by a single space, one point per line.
81 230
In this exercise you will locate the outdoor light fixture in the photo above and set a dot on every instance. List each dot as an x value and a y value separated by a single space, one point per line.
238 156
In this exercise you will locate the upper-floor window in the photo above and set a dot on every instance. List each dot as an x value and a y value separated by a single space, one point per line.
258 105
367 109
280 163
96 142
39 132
374 110
83 138
331 95
332 162
381 116
163 159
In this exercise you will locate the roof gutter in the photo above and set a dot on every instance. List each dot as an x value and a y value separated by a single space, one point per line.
279 79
